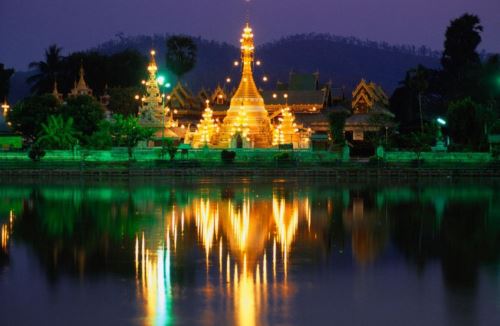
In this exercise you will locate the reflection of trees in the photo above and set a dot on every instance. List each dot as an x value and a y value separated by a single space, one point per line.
368 227
463 235
76 236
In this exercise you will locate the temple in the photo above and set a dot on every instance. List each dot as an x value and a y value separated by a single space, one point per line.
151 112
80 87
247 123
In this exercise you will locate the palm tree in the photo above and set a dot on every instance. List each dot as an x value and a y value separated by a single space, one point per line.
57 133
46 71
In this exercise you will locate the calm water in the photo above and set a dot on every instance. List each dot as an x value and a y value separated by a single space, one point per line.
278 252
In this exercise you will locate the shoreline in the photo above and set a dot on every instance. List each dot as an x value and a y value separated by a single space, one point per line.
337 172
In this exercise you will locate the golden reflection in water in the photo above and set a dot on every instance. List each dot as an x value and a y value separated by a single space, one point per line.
5 231
241 234
155 285
4 237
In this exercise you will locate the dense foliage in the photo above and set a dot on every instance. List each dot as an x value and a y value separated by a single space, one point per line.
5 75
465 90
122 69
181 55
27 116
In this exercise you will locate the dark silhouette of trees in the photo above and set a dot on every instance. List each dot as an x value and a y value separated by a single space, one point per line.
5 75
461 62
27 116
122 100
181 55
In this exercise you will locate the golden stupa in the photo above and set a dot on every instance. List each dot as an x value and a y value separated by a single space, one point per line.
247 124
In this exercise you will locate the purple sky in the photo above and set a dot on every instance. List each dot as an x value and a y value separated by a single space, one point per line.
29 26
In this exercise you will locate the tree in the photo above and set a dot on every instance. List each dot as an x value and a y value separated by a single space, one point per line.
5 75
27 116
420 142
460 60
127 132
86 112
101 139
126 68
46 71
468 123
57 133
418 81
96 66
122 101
337 123
181 55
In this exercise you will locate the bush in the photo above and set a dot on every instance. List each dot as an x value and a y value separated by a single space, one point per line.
495 128
283 157
36 153
375 161
228 156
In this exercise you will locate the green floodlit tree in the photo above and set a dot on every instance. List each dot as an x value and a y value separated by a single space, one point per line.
101 139
5 75
181 55
86 112
127 132
46 71
58 133
27 116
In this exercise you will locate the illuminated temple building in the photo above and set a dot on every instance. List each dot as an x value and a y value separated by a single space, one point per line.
247 122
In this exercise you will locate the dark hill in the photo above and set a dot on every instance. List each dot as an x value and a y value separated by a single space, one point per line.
343 60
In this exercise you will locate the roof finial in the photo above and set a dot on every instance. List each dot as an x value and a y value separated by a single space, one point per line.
247 12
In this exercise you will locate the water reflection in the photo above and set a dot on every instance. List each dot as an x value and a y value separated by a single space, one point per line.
240 250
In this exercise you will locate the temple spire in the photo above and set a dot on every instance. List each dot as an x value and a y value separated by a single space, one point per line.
247 92
151 111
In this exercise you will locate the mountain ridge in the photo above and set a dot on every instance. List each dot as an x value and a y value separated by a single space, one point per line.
343 60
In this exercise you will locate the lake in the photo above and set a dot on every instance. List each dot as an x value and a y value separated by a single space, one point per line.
249 252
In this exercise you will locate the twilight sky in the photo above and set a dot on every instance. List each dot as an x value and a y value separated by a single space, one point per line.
27 27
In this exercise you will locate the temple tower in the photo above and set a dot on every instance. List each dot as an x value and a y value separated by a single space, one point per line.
151 111
247 123
81 87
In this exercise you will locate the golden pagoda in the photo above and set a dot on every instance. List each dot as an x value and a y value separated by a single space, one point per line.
151 112
247 123
206 129
80 88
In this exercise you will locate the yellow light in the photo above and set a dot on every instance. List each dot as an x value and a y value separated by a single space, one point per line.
228 80
264 78
258 63
275 95
153 52
137 97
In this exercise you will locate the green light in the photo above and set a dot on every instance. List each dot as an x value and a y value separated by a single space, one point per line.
441 121
168 85
160 80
